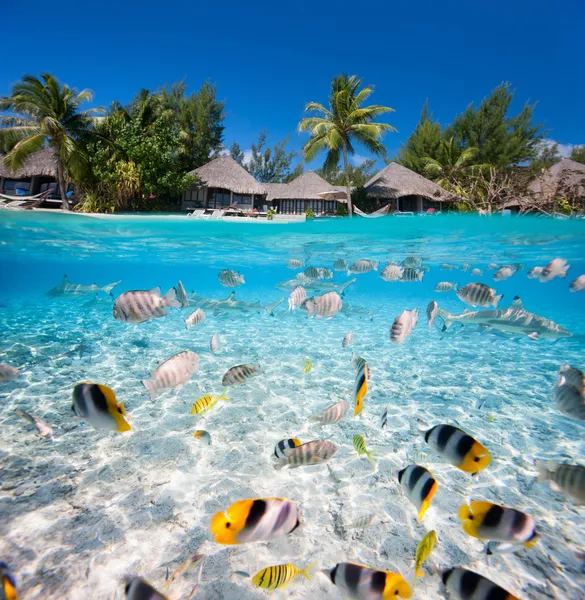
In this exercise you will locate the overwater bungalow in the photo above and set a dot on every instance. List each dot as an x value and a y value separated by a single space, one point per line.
405 190
224 183
37 175
565 179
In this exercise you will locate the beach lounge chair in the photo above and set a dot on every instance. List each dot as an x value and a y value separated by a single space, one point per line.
217 214
197 214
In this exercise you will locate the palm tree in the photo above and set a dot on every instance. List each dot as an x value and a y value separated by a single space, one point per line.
46 113
344 122
452 166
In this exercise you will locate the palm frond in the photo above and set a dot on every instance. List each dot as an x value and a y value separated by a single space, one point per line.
15 158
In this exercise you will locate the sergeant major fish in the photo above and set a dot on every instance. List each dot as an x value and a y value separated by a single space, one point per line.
504 273
557 267
295 263
96 404
230 279
196 317
363 266
139 306
432 311
240 374
347 340
412 262
325 306
572 376
297 297
181 295
403 325
214 342
534 273
411 275
333 414
570 401
446 286
172 373
255 520
479 294
565 479
476 272
577 285
392 273
308 454
340 265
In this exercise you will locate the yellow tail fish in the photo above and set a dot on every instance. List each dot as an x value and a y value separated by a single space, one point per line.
206 403
308 366
360 447
279 576
360 388
423 551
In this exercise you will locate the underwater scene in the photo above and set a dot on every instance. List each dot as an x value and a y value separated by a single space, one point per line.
345 408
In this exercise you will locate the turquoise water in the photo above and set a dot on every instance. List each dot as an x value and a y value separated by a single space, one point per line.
83 511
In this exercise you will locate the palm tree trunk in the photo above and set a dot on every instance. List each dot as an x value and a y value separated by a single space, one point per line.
347 182
61 179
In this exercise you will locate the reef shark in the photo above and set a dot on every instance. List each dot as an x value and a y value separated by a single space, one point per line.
318 286
232 304
66 288
514 320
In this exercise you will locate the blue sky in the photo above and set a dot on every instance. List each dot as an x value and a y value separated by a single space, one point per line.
269 58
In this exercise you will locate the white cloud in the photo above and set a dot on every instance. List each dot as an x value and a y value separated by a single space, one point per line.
247 156
564 149
358 159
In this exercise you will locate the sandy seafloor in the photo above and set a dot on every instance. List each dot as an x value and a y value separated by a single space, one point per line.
82 512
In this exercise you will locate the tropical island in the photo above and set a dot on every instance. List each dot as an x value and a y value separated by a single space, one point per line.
164 152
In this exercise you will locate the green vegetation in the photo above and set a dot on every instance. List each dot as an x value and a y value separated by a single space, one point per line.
46 113
578 154
346 121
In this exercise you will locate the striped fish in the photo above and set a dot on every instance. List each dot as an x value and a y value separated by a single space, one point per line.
255 520
572 376
181 295
403 325
577 285
492 267
333 414
347 340
364 522
448 267
139 306
325 273
203 435
445 286
566 479
467 585
534 273
139 589
363 583
195 318
325 306
392 273
557 267
297 297
284 445
360 447
363 266
295 263
360 388
504 273
458 448
419 485
230 279
206 403
97 405
172 373
476 272
479 294
239 374
384 419
311 453
465 267
432 312
311 273
570 401
412 262
411 275
488 521
340 265
214 343
279 576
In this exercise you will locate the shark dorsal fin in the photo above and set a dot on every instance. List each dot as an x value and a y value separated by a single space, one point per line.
231 297
517 304
465 311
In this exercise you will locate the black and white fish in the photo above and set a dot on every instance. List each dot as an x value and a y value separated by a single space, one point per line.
364 583
384 419
347 340
295 263
572 376
324 306
340 265
565 479
364 522
392 273
239 374
403 325
229 278
432 311
448 267
297 297
181 294
285 445
139 589
577 285
172 373
570 401
363 266
476 272
214 343
419 485
467 585
139 306
196 317
557 267
97 405
411 275
534 273
412 262
306 455
445 286
479 294
332 414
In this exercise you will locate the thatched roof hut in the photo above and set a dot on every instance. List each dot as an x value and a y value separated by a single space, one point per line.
225 173
396 181
565 177
41 163
307 186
